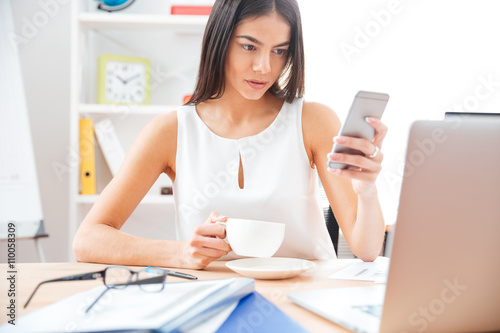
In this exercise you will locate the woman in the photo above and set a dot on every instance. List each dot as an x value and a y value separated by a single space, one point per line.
246 145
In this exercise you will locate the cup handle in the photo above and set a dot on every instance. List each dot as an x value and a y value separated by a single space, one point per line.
224 225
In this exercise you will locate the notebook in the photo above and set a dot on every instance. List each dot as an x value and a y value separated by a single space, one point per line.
444 274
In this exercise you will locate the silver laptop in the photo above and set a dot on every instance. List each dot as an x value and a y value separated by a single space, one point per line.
444 274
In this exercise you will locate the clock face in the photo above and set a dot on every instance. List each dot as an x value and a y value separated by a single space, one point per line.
125 82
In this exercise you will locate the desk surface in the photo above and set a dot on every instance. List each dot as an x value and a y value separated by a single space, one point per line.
29 275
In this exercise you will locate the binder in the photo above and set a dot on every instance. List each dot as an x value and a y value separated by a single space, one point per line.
87 157
110 144
255 313
190 10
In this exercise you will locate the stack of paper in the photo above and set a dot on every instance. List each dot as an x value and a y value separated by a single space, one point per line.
376 271
176 308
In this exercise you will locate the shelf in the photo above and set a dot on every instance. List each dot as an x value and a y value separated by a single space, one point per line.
142 22
125 109
148 199
172 43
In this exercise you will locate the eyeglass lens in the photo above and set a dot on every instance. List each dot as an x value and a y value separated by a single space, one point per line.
117 276
152 276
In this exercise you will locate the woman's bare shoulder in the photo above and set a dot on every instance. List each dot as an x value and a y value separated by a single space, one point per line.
161 130
165 121
158 140
319 120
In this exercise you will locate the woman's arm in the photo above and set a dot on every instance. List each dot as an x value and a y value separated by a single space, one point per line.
352 193
99 238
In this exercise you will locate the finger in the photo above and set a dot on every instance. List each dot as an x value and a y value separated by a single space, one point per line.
211 245
202 252
210 252
357 161
216 217
210 230
219 218
364 146
380 130
362 175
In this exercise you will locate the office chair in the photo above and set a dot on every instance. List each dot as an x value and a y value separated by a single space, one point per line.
333 229
332 226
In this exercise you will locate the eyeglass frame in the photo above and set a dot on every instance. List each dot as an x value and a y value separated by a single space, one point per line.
161 278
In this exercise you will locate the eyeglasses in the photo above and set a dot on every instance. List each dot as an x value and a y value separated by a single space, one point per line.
151 279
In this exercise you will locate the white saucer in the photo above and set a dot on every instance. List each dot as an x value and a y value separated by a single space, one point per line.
270 268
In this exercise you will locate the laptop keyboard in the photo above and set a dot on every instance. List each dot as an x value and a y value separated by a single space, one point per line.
374 310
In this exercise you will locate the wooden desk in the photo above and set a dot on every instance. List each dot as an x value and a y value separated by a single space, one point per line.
29 275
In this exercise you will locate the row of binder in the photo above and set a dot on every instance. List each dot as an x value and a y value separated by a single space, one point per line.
110 146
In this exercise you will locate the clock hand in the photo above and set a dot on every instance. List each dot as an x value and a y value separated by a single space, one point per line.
131 78
123 81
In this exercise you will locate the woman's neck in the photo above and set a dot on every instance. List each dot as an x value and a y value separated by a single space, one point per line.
237 118
238 109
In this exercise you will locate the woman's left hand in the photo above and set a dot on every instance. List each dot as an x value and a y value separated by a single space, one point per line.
365 169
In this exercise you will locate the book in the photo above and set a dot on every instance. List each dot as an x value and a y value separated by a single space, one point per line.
110 145
190 10
87 157
255 313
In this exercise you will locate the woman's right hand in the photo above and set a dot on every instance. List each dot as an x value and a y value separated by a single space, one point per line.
207 243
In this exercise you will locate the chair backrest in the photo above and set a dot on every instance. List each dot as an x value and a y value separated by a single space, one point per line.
333 227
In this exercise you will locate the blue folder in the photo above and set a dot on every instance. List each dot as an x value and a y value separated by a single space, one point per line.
255 313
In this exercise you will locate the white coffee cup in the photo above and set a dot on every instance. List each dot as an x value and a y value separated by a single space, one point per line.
252 238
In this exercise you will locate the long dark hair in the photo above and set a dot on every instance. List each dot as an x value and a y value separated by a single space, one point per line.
225 16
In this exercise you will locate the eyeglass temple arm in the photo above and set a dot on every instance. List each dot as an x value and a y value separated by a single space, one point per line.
77 277
98 298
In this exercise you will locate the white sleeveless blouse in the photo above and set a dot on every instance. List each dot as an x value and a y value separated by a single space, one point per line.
279 184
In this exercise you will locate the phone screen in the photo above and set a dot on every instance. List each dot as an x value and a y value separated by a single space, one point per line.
365 104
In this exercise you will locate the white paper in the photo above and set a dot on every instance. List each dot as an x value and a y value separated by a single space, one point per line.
215 322
375 271
128 308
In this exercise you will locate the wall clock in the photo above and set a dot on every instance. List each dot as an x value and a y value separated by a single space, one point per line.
123 80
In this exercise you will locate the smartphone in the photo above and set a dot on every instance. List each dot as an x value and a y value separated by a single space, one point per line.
365 104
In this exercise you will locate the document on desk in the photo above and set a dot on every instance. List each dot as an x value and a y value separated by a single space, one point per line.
180 306
375 271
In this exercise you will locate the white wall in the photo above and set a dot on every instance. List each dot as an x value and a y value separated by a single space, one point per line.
429 56
43 31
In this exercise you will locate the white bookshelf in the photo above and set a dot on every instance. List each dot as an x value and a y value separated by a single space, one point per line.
85 109
118 21
149 199
173 45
